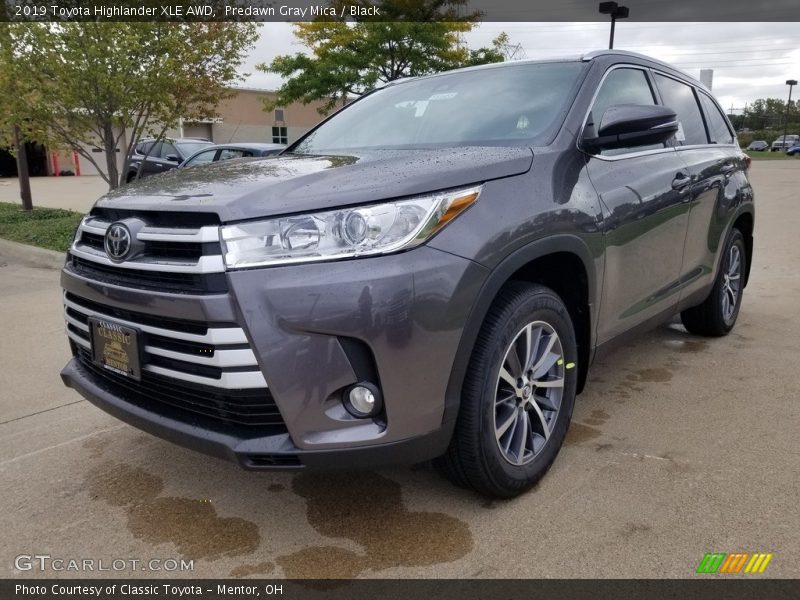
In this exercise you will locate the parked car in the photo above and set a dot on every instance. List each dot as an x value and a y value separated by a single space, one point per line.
759 146
785 142
228 151
152 156
794 150
427 274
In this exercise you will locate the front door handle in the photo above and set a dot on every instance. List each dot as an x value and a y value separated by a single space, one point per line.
681 181
727 169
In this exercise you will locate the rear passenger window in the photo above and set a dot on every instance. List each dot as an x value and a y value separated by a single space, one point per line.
680 98
229 153
168 149
621 86
153 150
717 123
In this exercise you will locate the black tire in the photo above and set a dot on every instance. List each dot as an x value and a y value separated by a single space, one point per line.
131 176
710 318
474 458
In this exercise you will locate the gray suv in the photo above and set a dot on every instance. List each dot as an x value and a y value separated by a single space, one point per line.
427 274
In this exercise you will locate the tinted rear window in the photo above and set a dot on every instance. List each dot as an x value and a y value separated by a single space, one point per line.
680 98
188 148
717 123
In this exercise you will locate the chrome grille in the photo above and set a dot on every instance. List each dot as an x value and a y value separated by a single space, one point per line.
214 355
91 228
172 259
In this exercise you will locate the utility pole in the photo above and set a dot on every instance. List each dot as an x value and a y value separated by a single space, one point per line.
791 83
617 12
22 171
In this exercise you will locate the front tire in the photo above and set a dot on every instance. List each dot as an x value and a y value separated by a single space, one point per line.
518 394
717 315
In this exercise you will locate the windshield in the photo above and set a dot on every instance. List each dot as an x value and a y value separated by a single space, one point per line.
519 102
189 148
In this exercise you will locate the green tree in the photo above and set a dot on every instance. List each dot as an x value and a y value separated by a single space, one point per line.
409 38
91 83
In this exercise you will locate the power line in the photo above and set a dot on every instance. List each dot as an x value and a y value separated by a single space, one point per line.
713 66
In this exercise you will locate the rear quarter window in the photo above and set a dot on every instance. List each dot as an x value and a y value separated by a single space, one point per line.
718 128
681 98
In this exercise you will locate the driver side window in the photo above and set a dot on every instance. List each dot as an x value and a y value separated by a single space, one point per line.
621 86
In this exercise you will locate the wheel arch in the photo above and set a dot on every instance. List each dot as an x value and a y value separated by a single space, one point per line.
744 223
546 262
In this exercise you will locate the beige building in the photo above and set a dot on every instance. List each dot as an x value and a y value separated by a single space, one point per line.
240 118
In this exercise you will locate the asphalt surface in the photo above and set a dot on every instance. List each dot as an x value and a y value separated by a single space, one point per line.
679 446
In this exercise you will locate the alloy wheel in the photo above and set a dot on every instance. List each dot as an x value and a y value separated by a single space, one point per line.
529 391
731 279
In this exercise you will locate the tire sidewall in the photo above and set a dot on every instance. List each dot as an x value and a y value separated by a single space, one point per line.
734 239
534 307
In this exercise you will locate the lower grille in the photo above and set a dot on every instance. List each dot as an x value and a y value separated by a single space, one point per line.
234 407
190 369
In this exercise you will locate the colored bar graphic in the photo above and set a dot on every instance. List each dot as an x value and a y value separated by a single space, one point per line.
730 563
711 562
764 564
740 563
720 562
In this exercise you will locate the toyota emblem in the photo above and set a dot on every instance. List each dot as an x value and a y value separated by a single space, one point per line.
117 241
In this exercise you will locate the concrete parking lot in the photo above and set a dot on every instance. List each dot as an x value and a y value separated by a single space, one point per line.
71 193
679 446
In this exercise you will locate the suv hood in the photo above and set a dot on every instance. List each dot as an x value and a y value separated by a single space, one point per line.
253 188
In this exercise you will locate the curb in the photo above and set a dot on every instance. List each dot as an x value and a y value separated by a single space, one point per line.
30 256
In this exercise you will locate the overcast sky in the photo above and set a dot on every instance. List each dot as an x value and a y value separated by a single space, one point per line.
750 60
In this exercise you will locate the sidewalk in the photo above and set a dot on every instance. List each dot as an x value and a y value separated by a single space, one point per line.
73 193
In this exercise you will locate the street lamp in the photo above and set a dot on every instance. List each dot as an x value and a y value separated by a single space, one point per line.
616 12
791 83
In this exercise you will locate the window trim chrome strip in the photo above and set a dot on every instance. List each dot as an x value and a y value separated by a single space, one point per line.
637 153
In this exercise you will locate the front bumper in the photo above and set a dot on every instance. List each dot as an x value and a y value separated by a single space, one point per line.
270 452
316 329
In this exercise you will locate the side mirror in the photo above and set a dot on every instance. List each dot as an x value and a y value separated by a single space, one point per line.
173 158
631 125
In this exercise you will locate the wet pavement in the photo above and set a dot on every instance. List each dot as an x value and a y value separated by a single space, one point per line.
679 446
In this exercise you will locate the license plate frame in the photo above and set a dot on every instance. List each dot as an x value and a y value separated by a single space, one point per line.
116 347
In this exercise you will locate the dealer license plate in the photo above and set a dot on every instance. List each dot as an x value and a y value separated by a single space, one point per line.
116 347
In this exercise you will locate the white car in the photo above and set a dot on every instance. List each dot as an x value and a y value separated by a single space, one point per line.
785 142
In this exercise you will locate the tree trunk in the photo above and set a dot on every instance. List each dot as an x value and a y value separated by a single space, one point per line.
110 148
22 171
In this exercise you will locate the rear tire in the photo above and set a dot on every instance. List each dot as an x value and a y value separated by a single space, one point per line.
518 394
717 315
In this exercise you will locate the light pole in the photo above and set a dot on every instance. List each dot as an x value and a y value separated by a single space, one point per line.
617 12
791 83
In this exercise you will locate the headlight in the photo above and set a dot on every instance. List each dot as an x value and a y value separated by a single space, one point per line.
76 237
356 231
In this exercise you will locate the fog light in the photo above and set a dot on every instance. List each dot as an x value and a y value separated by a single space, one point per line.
363 400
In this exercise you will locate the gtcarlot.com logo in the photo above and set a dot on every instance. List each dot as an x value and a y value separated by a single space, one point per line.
45 562
734 563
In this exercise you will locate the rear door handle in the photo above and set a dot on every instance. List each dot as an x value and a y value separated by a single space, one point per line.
681 181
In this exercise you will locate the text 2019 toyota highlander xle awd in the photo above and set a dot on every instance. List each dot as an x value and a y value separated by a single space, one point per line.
427 274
